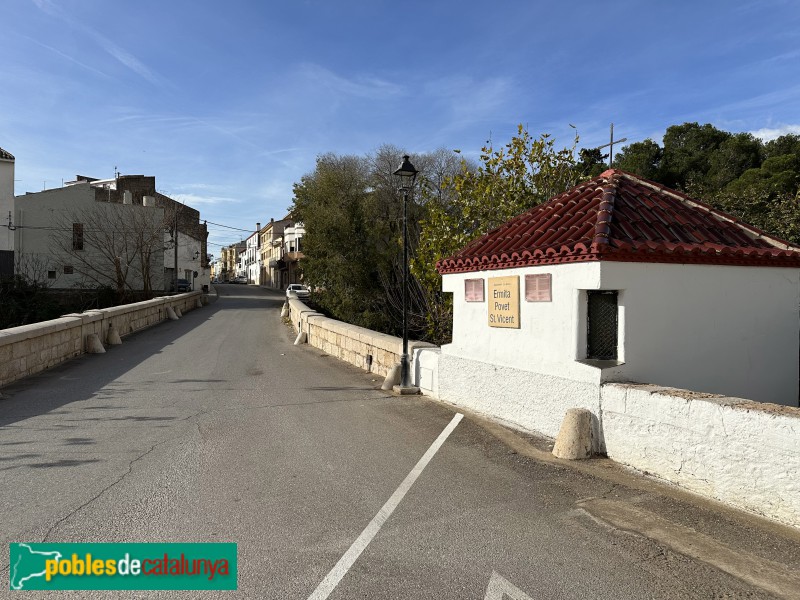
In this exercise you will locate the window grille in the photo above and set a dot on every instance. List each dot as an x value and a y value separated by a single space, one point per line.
538 288
602 325
68 270
473 290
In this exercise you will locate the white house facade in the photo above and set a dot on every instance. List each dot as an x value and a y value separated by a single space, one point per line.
252 258
6 200
65 238
619 279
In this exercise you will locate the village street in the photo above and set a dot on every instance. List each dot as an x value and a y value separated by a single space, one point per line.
217 428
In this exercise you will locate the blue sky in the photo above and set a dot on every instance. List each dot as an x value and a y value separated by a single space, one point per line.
229 103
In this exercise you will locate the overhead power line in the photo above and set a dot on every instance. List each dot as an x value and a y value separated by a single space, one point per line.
229 227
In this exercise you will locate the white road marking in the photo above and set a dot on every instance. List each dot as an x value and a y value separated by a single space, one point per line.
341 568
499 587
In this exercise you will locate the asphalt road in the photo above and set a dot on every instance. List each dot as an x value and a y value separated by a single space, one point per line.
217 428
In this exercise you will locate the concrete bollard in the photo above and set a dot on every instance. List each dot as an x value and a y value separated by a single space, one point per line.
94 345
300 339
199 303
171 314
285 310
392 379
113 338
574 441
178 312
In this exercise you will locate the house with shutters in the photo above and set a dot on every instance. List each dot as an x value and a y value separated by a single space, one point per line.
619 279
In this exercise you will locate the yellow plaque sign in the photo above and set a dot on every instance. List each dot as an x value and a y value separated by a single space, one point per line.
503 302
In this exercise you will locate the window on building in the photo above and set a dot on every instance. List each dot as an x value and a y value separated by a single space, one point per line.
77 236
602 325
473 290
538 288
68 270
51 274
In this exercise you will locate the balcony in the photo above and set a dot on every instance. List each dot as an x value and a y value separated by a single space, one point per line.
294 256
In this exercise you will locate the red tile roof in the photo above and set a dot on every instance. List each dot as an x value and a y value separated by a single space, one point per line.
621 217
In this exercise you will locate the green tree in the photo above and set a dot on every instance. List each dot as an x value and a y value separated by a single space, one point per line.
590 162
777 176
786 144
773 212
508 180
732 158
641 158
334 203
687 153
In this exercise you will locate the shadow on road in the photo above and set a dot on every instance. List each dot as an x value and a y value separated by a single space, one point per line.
90 376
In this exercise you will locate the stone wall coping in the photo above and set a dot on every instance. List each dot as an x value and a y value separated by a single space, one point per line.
115 311
382 341
737 404
90 316
26 332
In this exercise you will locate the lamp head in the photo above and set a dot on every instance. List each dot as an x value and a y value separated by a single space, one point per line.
407 173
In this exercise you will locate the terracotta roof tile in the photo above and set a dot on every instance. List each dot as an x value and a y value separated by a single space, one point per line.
619 216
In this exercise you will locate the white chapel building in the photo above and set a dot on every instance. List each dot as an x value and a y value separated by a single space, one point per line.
619 279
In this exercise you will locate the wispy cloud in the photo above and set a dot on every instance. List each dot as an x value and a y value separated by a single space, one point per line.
121 55
361 86
66 56
776 98
770 133
792 55
198 199
465 101
125 58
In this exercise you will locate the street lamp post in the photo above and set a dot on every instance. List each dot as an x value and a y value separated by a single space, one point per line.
408 175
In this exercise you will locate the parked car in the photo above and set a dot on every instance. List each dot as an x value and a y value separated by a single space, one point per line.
240 279
302 291
183 286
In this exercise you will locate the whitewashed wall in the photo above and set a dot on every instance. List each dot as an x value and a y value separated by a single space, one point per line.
737 451
523 399
720 329
551 335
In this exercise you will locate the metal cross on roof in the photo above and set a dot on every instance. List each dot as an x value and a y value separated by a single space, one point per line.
610 146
